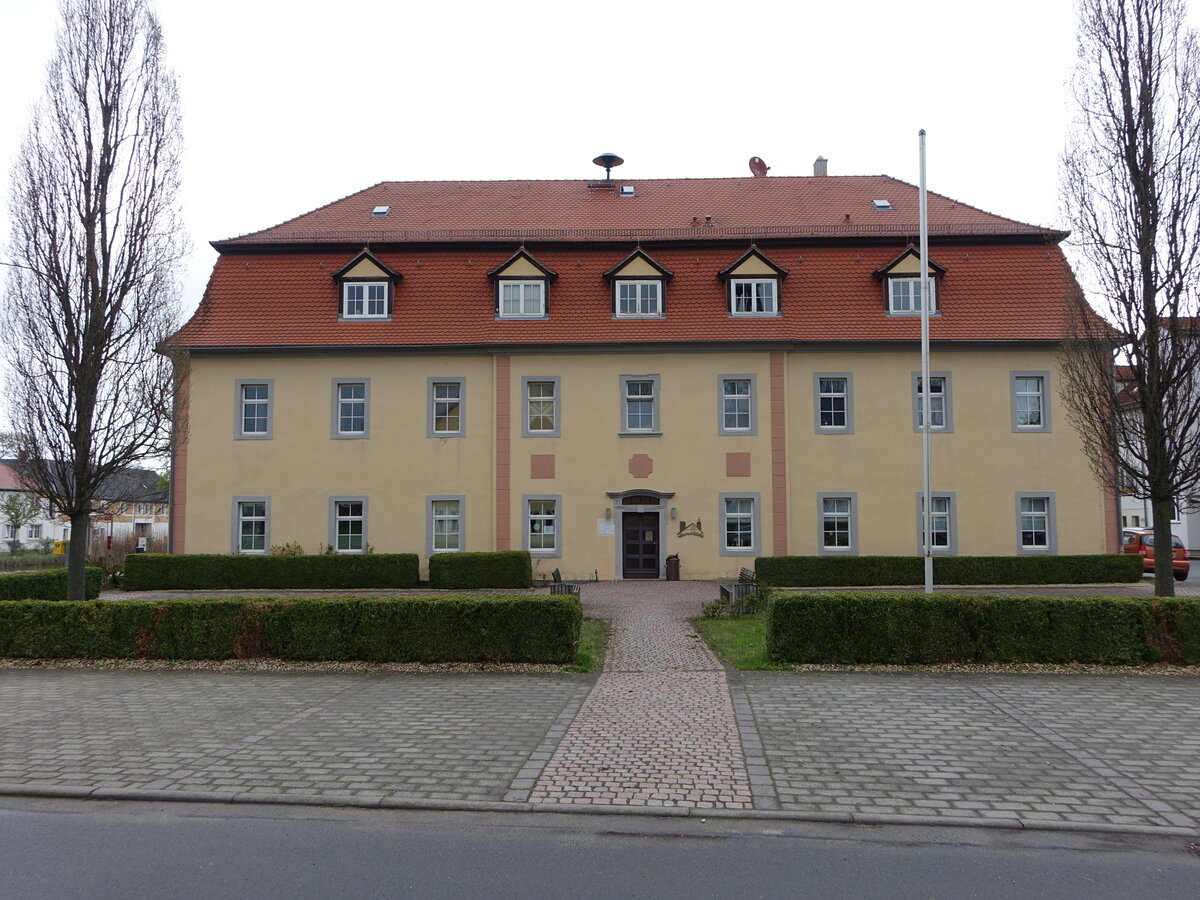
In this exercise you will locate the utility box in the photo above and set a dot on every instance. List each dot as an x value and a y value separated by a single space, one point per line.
60 548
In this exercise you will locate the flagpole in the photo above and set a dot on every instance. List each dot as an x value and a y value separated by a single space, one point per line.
927 496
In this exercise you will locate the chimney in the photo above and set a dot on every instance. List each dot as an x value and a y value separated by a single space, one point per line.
820 167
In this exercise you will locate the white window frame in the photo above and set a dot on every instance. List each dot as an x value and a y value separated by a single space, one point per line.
522 283
528 520
35 532
750 400
433 517
241 401
337 516
654 397
910 303
947 425
950 500
654 313
847 395
751 518
851 516
527 401
433 383
372 307
770 308
335 427
1050 548
1016 393
239 518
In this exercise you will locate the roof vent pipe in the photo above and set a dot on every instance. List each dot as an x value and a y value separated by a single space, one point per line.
820 167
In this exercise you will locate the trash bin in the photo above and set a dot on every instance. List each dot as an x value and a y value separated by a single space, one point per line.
673 567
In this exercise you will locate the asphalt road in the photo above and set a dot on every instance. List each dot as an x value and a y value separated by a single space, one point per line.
77 849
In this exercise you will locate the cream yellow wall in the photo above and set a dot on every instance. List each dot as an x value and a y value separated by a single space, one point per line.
521 268
753 265
301 467
399 466
365 269
638 267
592 457
910 265
983 461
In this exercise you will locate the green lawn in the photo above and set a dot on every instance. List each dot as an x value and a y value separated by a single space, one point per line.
593 641
740 641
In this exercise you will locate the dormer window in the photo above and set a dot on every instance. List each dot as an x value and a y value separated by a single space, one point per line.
638 287
904 295
364 300
522 287
754 285
522 299
754 296
365 288
902 284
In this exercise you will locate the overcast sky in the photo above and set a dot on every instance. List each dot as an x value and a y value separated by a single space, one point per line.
287 106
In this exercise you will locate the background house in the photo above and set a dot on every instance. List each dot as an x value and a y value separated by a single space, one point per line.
608 372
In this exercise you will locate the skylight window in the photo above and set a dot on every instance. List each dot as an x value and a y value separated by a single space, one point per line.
881 204
380 211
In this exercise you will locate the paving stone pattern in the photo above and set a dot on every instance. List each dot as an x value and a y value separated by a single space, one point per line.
435 737
1035 748
658 728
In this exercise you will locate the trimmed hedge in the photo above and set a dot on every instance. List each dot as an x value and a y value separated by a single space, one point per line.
205 571
920 628
466 571
48 585
532 629
863 571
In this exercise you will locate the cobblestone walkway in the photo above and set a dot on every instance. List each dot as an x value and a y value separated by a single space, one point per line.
659 727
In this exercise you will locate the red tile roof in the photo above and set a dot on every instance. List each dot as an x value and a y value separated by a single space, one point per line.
989 293
680 208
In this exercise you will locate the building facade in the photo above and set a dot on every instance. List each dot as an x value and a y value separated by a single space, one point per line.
606 374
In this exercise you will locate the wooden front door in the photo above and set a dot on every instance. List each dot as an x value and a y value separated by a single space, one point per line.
639 543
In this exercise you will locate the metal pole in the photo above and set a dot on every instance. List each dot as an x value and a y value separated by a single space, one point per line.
927 496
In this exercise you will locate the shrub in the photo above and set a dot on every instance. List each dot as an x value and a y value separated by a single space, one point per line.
466 571
919 628
850 571
197 571
24 561
402 629
48 585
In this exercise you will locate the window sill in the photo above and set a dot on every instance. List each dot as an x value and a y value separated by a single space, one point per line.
912 315
755 315
542 318
364 318
621 316
350 437
635 434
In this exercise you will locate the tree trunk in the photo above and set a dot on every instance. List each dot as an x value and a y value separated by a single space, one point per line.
1164 553
81 536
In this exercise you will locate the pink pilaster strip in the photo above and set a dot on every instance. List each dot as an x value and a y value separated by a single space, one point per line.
179 468
503 452
779 516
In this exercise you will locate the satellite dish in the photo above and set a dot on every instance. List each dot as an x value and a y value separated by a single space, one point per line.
608 161
758 167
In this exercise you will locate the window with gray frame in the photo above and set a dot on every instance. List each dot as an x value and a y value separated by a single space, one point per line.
837 523
639 404
943 523
904 296
541 400
351 408
253 401
1030 401
364 300
833 403
445 517
736 398
348 524
740 523
447 405
251 524
1035 523
754 296
523 299
639 299
543 516
941 417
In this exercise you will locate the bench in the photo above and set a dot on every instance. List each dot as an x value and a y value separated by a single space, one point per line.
740 596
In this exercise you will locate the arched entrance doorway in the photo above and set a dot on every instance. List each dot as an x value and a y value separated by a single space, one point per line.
641 546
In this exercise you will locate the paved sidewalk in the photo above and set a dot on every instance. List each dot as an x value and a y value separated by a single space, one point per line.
664 726
659 728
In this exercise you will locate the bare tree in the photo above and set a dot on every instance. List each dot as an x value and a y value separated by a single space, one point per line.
1131 187
16 511
95 243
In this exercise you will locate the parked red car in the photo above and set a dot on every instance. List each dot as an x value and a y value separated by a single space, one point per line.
1141 542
